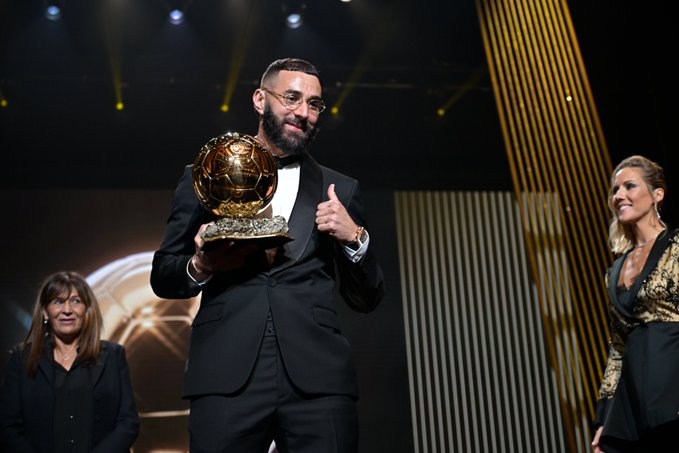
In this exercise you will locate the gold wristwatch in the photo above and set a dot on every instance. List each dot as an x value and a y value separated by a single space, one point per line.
359 238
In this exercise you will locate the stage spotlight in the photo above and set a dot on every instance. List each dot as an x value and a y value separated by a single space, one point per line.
176 17
294 20
53 12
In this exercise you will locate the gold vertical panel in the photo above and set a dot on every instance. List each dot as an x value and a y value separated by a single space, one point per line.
479 371
555 146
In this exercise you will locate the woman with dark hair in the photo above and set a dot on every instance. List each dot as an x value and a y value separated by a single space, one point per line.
65 389
638 407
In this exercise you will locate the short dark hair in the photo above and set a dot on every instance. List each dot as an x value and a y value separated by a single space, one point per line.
289 64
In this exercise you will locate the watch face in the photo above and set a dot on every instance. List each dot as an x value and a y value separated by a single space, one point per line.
361 237
364 236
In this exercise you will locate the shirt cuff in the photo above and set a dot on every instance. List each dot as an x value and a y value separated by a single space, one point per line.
199 283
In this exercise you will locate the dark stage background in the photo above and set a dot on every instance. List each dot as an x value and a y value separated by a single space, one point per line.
403 60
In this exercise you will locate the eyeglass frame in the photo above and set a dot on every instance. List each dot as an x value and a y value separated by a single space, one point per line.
285 101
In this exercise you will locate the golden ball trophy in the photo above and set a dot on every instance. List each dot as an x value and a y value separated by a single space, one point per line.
235 176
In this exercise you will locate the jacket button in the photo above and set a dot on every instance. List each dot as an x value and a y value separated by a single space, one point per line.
272 282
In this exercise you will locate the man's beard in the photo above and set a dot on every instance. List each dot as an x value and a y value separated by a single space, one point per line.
288 143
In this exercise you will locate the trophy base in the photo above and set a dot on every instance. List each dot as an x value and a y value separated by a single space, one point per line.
265 233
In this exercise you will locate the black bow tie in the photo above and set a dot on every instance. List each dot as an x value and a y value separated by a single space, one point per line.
288 160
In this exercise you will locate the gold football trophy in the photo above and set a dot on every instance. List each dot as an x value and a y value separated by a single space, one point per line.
235 177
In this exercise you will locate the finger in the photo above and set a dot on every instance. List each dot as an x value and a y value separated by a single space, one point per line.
219 247
204 226
198 240
331 193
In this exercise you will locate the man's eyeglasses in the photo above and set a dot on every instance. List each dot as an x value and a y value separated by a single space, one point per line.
292 101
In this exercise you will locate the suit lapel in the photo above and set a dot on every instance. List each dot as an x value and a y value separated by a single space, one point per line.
656 252
98 368
658 249
301 223
614 278
46 366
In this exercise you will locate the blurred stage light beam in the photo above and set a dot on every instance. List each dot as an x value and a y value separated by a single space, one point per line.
381 32
238 55
470 83
113 18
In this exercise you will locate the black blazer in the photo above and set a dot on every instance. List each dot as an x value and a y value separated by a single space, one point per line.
27 404
298 290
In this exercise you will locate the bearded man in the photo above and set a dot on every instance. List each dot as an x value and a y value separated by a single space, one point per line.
267 357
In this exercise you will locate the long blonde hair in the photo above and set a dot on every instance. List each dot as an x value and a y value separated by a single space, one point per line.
52 287
620 236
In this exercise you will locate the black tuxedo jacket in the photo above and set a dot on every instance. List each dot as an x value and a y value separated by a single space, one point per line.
28 404
298 290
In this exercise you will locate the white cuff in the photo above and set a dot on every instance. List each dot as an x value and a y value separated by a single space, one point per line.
199 283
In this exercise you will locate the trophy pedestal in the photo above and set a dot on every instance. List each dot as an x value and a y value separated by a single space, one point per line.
264 232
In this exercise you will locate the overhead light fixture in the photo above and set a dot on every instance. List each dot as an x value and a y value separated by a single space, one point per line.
294 20
176 16
53 11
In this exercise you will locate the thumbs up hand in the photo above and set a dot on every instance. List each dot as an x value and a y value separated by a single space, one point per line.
332 218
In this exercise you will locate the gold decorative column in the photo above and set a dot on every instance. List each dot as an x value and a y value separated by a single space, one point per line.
560 167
